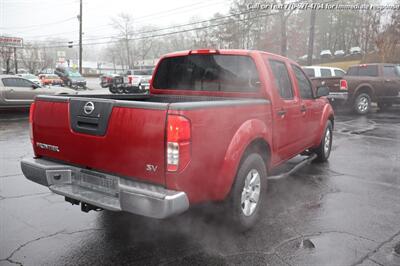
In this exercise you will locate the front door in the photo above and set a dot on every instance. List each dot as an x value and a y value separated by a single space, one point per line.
310 109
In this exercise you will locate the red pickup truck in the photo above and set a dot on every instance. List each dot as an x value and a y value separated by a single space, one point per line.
214 125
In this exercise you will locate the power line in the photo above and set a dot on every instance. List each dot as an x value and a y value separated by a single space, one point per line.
169 33
143 18
39 25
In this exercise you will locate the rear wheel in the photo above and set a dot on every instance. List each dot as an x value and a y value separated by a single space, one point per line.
362 104
247 192
324 149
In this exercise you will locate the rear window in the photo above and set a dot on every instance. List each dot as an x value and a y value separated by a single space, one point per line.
230 73
310 72
366 71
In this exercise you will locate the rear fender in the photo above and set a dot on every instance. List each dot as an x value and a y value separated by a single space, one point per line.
327 114
244 136
364 87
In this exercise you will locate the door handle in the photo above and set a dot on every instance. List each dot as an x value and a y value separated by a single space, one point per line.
303 108
11 90
281 112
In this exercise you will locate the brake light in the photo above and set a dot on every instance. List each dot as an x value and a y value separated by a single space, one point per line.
343 84
130 80
31 111
178 142
204 51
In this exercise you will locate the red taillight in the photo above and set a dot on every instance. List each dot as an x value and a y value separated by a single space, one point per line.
31 111
204 51
130 80
178 142
343 84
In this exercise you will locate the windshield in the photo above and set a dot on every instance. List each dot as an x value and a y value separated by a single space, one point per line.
74 74
231 73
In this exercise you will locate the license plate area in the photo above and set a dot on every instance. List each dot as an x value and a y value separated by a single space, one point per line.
97 182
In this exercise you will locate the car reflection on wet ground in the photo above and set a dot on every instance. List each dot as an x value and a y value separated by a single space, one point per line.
344 212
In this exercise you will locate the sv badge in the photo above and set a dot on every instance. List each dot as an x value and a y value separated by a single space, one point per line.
151 168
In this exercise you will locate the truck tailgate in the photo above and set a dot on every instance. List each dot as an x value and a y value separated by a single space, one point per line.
124 138
332 82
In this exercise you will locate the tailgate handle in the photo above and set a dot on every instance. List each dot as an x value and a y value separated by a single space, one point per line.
88 123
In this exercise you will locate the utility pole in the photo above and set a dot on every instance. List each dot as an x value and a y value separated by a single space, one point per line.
311 38
80 37
15 60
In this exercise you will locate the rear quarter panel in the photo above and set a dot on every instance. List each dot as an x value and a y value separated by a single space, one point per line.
219 138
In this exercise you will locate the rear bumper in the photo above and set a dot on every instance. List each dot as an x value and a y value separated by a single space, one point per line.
338 96
106 191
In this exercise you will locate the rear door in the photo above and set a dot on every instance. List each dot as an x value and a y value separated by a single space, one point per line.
391 80
125 138
286 111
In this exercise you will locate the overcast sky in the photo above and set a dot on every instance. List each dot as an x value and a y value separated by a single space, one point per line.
40 19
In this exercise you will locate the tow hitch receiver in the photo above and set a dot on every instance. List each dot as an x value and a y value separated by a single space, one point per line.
85 207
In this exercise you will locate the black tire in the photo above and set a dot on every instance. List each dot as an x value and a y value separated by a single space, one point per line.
112 89
362 104
236 208
120 90
324 149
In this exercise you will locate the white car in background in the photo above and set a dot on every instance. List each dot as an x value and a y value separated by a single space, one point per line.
30 77
339 53
355 50
323 71
325 54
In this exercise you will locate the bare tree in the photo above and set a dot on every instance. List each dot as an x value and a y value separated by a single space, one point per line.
124 24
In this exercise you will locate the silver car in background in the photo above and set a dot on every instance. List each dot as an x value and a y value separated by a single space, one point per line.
17 92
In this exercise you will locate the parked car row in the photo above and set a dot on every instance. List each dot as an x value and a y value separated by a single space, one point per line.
327 53
128 82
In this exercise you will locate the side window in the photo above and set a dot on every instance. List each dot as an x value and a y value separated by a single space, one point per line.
339 73
325 72
368 71
310 72
23 83
9 82
282 80
389 71
305 87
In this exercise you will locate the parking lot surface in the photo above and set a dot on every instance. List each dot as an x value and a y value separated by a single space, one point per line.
344 212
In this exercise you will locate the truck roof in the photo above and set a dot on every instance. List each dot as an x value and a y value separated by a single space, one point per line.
224 52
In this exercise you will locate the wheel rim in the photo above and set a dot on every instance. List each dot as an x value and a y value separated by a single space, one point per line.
363 104
327 143
251 192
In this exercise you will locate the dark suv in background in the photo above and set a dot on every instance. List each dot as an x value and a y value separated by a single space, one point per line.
71 78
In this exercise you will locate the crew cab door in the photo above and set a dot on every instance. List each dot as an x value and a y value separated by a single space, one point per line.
287 137
310 108
391 80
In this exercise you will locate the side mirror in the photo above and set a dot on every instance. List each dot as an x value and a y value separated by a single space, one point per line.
34 86
322 91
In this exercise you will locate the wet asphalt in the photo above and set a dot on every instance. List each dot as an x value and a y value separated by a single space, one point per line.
344 212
